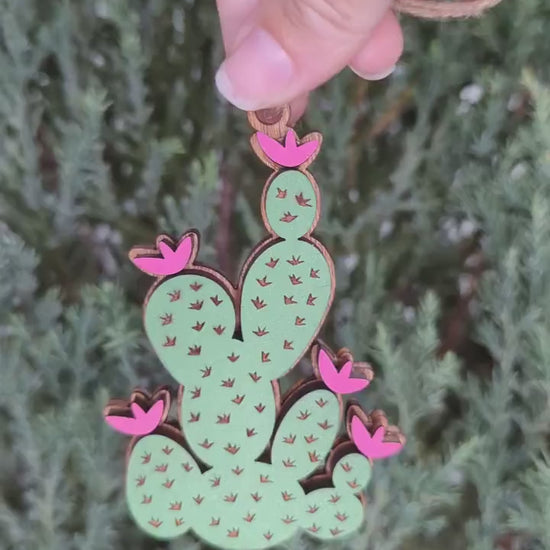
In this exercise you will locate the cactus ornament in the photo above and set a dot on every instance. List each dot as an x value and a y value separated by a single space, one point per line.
243 467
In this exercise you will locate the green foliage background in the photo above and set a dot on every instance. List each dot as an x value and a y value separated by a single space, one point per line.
436 188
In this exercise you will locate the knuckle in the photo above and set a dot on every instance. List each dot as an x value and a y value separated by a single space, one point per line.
321 16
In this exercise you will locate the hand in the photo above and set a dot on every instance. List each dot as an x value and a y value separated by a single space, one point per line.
280 50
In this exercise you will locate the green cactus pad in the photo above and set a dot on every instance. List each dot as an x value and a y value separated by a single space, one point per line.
252 506
291 205
227 402
306 433
161 480
352 472
336 512
328 514
285 296
255 505
190 319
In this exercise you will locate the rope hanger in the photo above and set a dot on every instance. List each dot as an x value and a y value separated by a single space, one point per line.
434 9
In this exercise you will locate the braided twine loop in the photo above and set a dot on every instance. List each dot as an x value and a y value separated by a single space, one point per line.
435 9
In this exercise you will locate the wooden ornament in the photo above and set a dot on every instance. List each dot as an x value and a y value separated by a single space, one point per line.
243 468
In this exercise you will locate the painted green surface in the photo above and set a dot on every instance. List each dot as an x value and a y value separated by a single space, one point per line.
161 480
291 308
251 504
291 205
228 402
306 433
228 405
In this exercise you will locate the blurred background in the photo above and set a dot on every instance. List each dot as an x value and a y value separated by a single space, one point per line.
436 190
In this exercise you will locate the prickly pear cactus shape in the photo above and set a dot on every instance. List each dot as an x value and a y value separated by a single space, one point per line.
239 467
289 286
226 403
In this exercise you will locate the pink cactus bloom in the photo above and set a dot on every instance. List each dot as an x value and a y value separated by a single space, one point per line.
339 381
290 154
373 447
171 261
142 423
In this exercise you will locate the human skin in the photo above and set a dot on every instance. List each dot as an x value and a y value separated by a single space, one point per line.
277 51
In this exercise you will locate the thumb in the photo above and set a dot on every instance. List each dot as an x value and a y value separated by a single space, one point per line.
293 47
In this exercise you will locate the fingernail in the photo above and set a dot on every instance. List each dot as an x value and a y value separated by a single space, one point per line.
374 76
257 74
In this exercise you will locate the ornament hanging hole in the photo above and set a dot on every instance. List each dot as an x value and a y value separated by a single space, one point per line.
272 121
270 116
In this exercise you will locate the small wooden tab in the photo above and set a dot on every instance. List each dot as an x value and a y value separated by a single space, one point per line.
273 121
270 116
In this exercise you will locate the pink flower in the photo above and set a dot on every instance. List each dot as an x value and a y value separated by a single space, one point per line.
142 423
171 260
290 154
339 381
373 447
